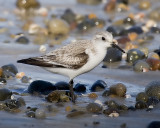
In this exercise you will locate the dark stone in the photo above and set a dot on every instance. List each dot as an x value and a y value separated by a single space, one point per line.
2 105
152 101
126 2
153 89
108 111
135 54
62 85
69 16
131 108
80 88
106 93
41 87
12 104
129 21
31 114
154 124
113 55
3 81
5 94
140 65
135 29
22 40
141 105
25 79
155 30
112 104
9 70
21 101
99 85
115 30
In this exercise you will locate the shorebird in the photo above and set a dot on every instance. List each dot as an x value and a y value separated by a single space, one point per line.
76 58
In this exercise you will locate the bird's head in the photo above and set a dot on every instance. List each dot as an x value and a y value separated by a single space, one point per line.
106 39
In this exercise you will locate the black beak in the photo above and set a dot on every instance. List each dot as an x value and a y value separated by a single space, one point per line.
116 46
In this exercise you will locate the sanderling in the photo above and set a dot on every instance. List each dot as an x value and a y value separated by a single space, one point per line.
75 58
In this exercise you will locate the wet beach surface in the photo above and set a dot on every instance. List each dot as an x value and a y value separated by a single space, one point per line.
56 115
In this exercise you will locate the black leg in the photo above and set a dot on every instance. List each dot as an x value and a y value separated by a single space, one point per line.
71 91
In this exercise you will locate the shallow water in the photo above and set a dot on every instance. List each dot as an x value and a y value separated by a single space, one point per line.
11 52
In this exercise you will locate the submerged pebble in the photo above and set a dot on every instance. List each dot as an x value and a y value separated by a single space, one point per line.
22 40
92 95
94 108
3 81
153 101
154 124
12 104
62 85
118 89
5 94
80 88
153 89
140 105
25 79
40 114
99 85
112 104
41 87
141 66
31 114
142 96
75 114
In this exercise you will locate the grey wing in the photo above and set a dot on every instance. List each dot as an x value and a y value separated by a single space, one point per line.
58 59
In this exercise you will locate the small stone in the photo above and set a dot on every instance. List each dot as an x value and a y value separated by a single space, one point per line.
5 94
9 70
114 114
108 111
20 75
144 5
25 79
64 98
2 105
69 16
22 40
153 55
133 36
42 87
135 54
94 108
31 114
21 101
112 104
153 101
141 66
68 109
155 30
42 48
62 85
40 114
106 93
92 95
154 124
113 55
54 96
3 81
154 15
140 105
58 27
12 104
80 88
90 2
129 21
99 85
27 4
153 63
142 96
118 89
75 114
153 89
110 6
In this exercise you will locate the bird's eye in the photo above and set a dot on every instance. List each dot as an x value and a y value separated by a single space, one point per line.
103 38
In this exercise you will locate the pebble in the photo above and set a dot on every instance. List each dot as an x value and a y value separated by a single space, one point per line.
153 101
113 55
22 40
40 113
153 89
144 5
114 114
153 63
12 104
109 111
141 66
118 89
142 96
41 87
112 104
106 93
90 2
62 85
2 81
94 108
69 16
155 30
31 114
92 95
99 85
80 88
153 55
154 124
2 105
27 4
58 27
110 6
141 105
20 75
5 94
9 71
68 108
25 79
54 96
75 114
134 54
154 15
129 21
42 48
21 101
